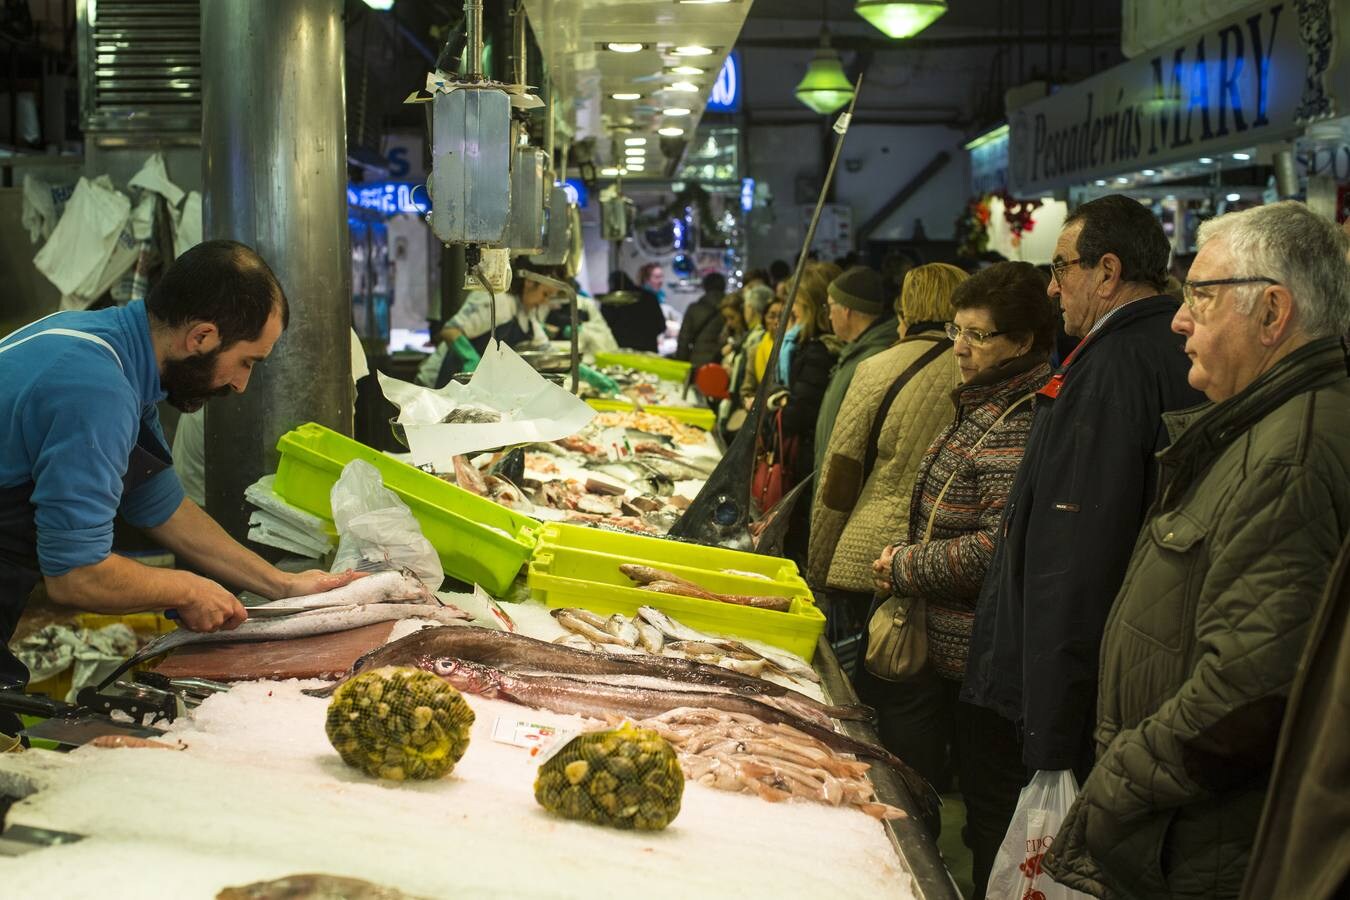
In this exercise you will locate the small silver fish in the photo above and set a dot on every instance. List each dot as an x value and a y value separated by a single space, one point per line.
578 624
649 637
622 629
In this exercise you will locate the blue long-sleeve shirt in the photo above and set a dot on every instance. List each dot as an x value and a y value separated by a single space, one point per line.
70 414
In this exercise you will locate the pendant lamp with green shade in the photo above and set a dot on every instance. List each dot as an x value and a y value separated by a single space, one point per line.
900 19
825 88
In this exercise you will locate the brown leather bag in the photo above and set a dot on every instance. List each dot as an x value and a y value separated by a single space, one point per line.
897 633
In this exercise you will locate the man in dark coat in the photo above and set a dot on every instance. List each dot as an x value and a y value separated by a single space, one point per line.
1084 486
638 325
700 339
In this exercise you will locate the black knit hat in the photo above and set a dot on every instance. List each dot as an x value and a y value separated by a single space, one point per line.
861 289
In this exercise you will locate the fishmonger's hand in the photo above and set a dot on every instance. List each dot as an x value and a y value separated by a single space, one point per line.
206 606
315 581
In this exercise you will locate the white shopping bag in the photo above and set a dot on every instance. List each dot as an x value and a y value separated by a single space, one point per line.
1017 872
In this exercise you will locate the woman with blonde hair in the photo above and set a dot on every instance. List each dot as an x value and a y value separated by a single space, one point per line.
896 404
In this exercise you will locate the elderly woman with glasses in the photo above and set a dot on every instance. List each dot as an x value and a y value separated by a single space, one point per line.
1003 328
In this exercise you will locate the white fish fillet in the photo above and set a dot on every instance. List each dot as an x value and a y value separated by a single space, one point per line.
384 587
305 624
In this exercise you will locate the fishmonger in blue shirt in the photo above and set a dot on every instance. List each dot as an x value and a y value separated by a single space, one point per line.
80 441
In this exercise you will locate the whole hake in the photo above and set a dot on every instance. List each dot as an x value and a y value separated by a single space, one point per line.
426 649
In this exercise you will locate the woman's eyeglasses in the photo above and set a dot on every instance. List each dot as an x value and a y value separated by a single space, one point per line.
974 336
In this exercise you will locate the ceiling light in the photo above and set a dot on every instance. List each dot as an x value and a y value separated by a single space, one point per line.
609 171
675 111
1243 157
380 4
1122 180
1150 172
1100 182
693 50
670 132
635 152
988 137
1205 160
622 47
623 95
900 20
686 87
635 167
686 70
634 142
1233 198
824 88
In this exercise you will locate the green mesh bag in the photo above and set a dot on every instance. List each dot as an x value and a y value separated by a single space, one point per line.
626 778
399 723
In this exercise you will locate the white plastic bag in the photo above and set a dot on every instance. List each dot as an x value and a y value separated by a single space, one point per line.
374 525
1041 808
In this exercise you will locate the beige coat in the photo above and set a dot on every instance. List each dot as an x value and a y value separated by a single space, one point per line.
847 536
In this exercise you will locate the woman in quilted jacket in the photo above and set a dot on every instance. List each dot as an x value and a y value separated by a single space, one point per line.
858 508
1003 329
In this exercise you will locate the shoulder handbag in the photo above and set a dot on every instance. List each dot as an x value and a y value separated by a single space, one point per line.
844 477
897 633
770 479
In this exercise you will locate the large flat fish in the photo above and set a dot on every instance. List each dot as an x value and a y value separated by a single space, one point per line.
301 624
430 648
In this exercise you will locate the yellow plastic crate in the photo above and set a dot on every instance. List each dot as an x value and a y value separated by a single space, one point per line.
577 566
698 416
477 540
667 369
146 625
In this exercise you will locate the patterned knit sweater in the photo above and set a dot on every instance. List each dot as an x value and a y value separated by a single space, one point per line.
949 570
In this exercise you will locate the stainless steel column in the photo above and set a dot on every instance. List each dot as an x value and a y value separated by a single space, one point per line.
274 166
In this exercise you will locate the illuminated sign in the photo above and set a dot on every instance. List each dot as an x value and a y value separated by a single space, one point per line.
726 92
390 197
747 194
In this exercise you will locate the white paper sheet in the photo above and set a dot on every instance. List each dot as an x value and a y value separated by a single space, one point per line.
532 409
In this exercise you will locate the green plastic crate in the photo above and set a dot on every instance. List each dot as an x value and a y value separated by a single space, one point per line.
668 369
576 566
477 540
698 416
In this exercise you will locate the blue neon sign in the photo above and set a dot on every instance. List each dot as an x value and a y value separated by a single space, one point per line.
726 91
747 194
576 192
390 197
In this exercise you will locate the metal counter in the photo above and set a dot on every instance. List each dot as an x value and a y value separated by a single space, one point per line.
912 843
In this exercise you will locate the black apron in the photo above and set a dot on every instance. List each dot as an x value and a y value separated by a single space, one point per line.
509 334
19 571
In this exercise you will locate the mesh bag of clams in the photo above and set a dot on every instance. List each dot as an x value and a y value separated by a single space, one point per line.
626 777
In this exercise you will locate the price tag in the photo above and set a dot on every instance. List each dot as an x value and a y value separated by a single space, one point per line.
541 740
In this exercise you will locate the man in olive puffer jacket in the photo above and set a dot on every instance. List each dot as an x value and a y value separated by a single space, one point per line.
1203 642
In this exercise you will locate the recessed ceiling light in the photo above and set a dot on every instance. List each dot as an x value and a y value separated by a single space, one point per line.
1233 198
635 151
693 50
609 171
634 142
687 70
1101 182
1242 156
1150 172
670 132
623 47
626 95
1122 180
675 111
1205 160
687 87
635 167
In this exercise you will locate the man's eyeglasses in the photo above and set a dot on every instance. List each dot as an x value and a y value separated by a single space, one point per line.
1197 297
1056 268
974 336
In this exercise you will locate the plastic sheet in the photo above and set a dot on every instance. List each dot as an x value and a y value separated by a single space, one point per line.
532 409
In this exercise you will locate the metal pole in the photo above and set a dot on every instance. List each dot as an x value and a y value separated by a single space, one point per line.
473 14
274 157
